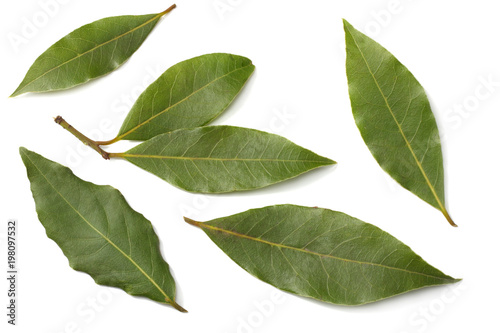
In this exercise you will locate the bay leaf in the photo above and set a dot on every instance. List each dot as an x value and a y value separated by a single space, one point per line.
88 52
189 94
395 119
219 159
98 231
322 254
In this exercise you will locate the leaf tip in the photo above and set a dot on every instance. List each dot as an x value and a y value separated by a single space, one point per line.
14 94
324 161
25 156
329 161
21 89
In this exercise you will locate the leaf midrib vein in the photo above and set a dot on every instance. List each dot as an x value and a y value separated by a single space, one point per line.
233 233
408 144
102 235
125 155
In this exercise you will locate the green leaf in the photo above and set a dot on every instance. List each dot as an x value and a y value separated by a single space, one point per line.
395 119
218 159
88 52
191 93
321 254
98 231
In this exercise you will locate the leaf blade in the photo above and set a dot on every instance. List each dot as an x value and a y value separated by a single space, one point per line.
71 60
93 228
189 94
221 159
395 119
321 254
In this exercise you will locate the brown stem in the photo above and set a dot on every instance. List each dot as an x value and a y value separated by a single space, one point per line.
169 9
448 217
192 222
86 141
176 306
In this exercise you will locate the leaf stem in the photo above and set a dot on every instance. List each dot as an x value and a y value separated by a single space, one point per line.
169 9
115 155
448 217
86 141
192 222
107 143
176 306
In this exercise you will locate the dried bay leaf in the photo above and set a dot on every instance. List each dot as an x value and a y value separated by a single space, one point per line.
219 159
88 52
395 119
322 254
98 231
189 94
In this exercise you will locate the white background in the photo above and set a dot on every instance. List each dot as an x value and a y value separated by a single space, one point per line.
298 90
